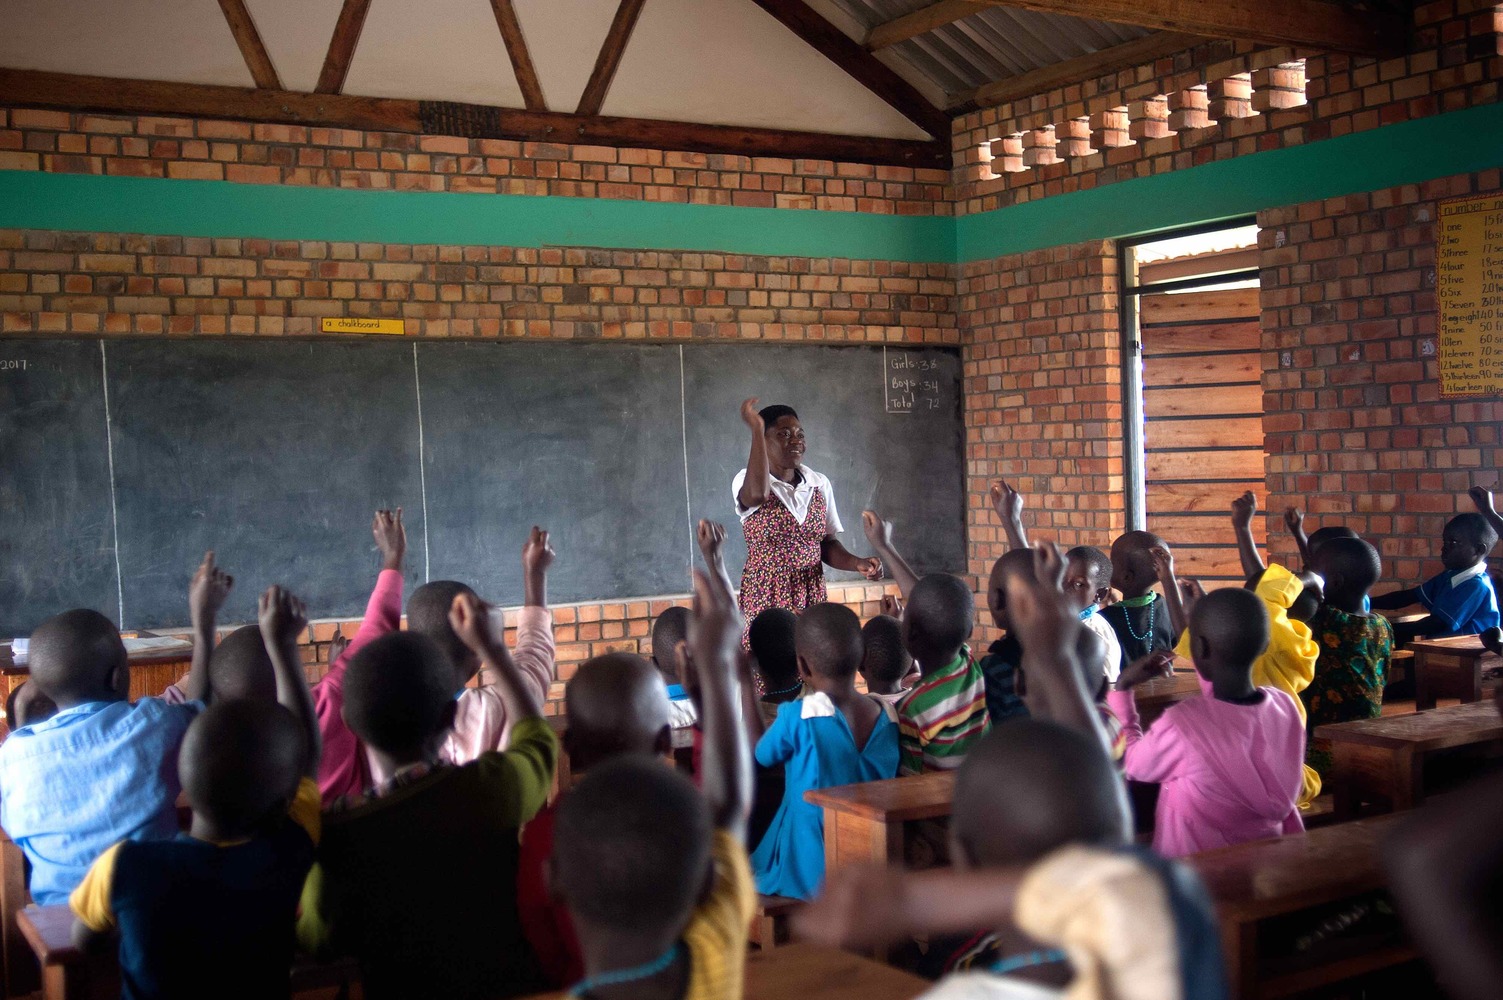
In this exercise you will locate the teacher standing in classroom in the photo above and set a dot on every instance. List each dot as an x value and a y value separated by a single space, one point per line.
789 518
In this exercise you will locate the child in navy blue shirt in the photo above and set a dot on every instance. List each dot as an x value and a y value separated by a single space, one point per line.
1461 600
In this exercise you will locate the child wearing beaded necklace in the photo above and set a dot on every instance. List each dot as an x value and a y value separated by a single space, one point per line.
1141 619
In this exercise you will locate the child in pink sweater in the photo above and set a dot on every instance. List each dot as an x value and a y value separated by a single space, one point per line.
1230 763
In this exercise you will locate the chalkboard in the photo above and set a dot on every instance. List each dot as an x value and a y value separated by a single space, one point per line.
57 538
124 460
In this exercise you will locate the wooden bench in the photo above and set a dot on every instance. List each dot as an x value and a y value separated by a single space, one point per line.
809 971
1449 668
1253 884
69 973
864 823
1383 760
21 975
769 927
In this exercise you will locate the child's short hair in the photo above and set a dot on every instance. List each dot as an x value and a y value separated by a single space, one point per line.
1234 622
943 607
828 637
631 847
884 659
399 692
1098 562
240 667
771 638
615 703
670 629
1354 560
71 655
1321 536
240 763
1474 529
1031 786
428 614
772 414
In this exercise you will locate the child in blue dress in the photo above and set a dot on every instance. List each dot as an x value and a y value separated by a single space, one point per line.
833 736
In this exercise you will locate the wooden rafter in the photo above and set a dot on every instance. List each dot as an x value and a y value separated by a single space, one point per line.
872 73
251 47
1310 24
33 89
609 58
1086 67
521 59
342 46
921 22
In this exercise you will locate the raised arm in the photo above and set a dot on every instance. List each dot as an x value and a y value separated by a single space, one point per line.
1482 496
879 536
711 538
1294 520
1008 503
715 639
1243 509
206 595
1163 566
754 487
471 622
282 618
534 653
867 906
537 556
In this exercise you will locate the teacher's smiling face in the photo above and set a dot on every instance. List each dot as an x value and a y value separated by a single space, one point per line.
785 444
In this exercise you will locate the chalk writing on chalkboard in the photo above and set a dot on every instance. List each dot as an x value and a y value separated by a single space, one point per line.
1469 290
909 382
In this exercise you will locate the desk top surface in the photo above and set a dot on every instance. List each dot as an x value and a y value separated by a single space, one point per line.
1454 645
1433 729
920 796
1270 877
807 970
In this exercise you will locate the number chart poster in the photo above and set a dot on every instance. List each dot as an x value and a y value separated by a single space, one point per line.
1469 264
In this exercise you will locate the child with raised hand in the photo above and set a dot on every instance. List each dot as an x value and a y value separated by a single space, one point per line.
833 736
343 770
1461 600
1355 645
653 873
100 770
218 904
885 663
418 878
616 706
1294 520
1142 620
670 629
1230 764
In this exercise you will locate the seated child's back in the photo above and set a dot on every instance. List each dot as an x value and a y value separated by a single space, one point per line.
100 770
418 881
832 736
1231 762
944 714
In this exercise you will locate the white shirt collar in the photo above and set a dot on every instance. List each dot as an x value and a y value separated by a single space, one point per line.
1463 575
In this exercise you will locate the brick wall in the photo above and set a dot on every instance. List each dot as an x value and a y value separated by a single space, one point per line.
1452 64
1354 424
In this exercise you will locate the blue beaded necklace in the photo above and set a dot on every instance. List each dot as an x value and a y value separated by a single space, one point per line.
1153 608
634 974
1013 963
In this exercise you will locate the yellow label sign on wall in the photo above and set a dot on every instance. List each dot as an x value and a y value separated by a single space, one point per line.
1469 296
360 324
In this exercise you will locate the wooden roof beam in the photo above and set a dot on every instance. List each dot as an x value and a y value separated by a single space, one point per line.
835 45
1108 60
69 92
521 59
921 22
609 59
1310 24
257 60
342 46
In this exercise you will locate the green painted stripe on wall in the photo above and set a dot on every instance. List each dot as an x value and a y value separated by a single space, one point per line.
92 203
1459 142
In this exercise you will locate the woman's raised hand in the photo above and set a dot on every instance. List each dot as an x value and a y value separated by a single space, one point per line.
750 416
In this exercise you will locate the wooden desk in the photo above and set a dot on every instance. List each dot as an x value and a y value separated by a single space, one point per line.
1256 882
806 970
864 823
1383 760
1155 696
1449 668
67 972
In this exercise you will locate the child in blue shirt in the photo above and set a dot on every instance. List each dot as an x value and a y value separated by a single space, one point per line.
1461 600
100 770
833 736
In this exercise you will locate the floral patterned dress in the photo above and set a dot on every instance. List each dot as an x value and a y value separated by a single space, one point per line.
1349 674
783 562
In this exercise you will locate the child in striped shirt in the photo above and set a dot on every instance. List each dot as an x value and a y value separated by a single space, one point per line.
945 713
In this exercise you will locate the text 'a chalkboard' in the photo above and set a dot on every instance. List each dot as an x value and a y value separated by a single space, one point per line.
121 462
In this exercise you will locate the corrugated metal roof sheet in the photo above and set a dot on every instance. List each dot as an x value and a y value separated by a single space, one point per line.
991 45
